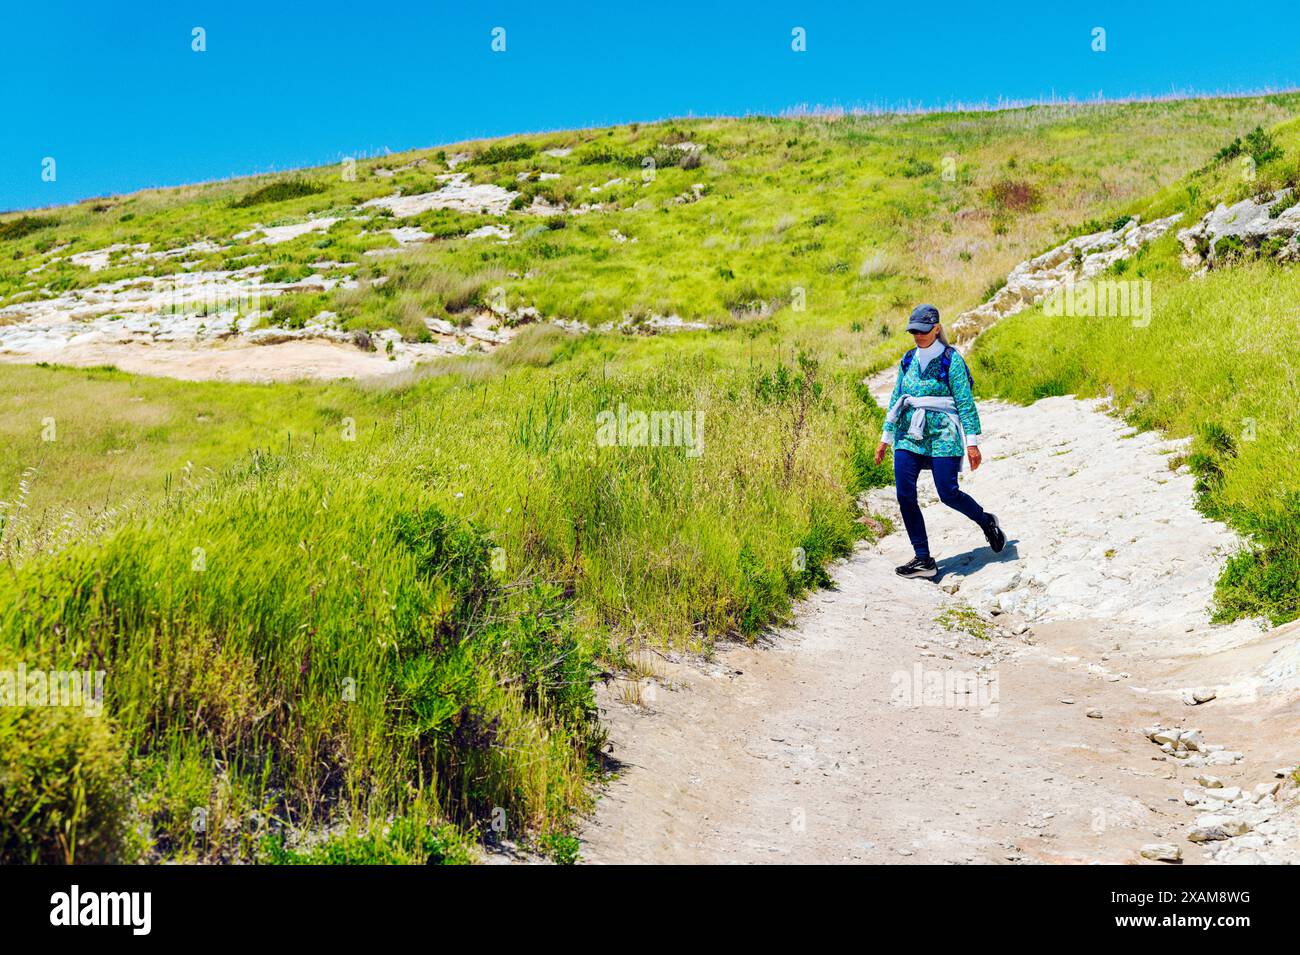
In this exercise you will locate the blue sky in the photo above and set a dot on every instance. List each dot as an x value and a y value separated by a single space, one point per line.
121 102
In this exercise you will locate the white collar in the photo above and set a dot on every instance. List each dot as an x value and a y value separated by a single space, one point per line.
931 351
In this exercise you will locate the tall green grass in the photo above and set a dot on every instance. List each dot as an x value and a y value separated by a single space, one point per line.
408 626
315 639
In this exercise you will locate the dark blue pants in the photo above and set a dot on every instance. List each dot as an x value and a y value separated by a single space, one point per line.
907 468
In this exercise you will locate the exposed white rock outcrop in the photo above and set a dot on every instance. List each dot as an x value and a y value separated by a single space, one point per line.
274 235
1082 258
1265 225
180 307
97 260
409 234
651 325
458 192
491 230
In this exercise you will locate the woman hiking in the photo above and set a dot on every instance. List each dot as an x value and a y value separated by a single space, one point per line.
931 423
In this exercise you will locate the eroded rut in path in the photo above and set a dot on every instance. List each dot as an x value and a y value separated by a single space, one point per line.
882 727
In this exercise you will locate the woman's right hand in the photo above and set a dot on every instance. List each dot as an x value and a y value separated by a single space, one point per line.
882 451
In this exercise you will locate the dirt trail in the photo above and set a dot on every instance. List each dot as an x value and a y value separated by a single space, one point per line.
825 745
306 359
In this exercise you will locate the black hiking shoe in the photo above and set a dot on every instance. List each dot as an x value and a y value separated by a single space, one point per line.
993 534
918 567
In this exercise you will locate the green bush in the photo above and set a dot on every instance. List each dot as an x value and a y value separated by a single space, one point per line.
63 790
25 226
279 192
504 152
1258 144
344 647
403 842
914 168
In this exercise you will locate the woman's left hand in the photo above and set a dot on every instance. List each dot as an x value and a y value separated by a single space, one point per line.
973 453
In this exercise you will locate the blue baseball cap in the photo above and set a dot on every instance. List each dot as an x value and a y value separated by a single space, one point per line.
924 318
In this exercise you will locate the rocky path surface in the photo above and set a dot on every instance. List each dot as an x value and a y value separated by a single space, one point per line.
1037 706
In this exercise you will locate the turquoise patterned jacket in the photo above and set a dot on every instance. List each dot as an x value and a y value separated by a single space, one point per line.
941 438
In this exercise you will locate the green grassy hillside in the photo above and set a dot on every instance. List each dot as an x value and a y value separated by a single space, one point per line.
376 640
